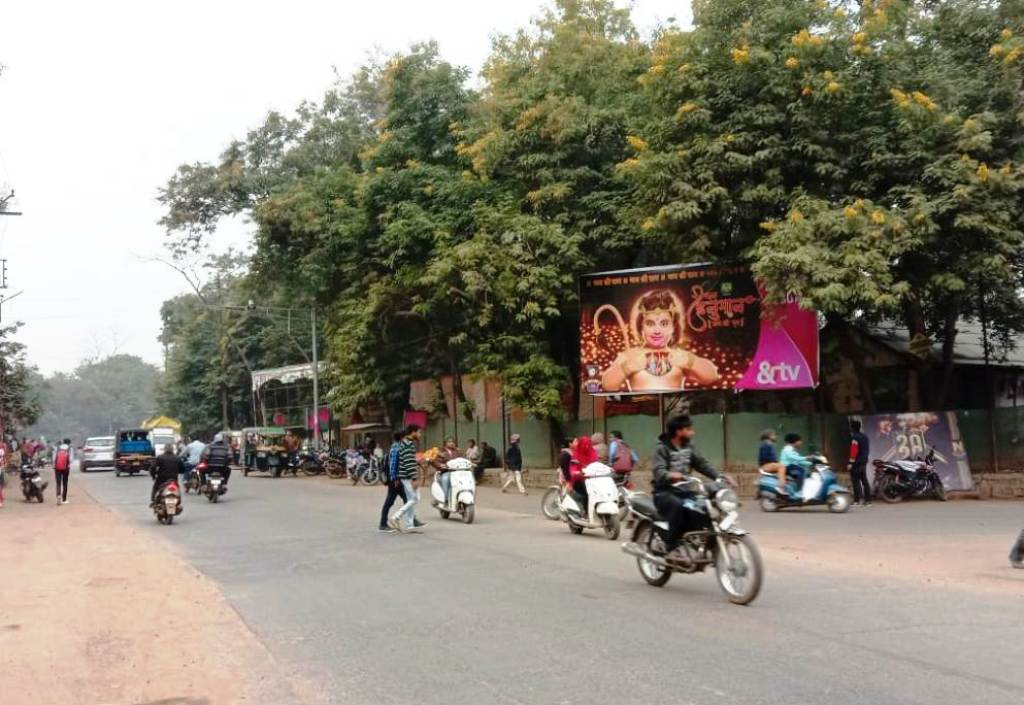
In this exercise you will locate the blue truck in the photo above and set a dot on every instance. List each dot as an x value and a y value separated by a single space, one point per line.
133 451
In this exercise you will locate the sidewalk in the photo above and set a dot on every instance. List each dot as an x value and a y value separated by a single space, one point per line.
96 611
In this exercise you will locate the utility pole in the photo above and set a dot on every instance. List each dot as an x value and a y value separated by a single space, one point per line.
316 383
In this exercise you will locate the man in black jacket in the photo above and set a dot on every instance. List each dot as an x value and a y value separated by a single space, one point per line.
166 468
860 450
675 458
218 457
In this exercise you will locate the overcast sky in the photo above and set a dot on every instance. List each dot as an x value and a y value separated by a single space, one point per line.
100 101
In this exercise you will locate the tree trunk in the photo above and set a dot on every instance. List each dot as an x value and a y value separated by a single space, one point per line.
224 425
917 325
948 344
850 343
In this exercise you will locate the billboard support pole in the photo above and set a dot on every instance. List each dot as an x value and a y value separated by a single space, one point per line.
661 413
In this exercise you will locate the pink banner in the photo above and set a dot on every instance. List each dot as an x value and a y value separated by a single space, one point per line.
669 329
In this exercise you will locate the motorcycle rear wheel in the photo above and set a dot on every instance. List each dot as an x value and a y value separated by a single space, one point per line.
549 504
334 469
740 589
310 469
888 491
652 573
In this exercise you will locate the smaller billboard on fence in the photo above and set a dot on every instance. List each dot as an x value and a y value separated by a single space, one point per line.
685 327
910 435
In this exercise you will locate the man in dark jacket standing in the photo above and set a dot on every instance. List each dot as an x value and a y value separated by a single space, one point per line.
675 458
514 465
166 469
860 448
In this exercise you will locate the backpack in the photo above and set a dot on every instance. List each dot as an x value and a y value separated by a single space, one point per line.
623 460
62 463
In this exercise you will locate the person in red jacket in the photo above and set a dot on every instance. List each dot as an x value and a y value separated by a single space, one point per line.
62 470
583 454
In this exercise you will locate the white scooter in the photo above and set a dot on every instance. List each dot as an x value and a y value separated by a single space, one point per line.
461 498
603 504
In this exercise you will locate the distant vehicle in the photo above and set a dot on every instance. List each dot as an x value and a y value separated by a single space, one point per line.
133 452
161 437
97 452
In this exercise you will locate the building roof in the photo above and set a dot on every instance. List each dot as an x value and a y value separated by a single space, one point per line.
967 350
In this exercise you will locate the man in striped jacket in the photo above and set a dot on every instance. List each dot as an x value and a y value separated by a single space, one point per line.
407 473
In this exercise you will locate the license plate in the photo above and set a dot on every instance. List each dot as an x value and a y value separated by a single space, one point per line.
171 502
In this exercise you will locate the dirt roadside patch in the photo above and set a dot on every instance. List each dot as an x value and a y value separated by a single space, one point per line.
94 611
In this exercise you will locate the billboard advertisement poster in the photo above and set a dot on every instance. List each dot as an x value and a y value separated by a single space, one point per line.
691 327
910 435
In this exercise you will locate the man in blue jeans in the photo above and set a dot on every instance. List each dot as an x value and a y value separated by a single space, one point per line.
408 472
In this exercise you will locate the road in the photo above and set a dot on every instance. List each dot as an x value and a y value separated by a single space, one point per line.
910 604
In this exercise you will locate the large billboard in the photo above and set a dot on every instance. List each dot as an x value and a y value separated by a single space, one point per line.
689 327
911 435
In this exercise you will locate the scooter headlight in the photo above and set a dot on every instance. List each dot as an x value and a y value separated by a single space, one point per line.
727 500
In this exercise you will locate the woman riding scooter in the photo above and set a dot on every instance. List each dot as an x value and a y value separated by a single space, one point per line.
796 464
583 454
449 452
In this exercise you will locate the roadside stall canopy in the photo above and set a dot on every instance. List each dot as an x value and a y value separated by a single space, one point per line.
162 422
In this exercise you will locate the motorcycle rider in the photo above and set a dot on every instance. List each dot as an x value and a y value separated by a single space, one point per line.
768 459
165 469
193 455
675 458
218 458
449 452
583 454
796 464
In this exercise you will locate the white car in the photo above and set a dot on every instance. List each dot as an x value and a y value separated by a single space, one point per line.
97 452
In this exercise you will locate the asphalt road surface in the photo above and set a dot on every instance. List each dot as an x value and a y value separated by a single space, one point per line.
899 604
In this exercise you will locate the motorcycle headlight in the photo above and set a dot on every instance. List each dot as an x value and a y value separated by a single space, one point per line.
727 500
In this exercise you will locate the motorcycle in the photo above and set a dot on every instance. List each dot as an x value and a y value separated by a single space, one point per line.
820 486
168 502
602 511
359 468
32 483
1017 552
721 543
898 479
461 497
192 482
332 464
214 486
309 463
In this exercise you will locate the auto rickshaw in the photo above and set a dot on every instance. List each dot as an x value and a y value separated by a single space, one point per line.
263 450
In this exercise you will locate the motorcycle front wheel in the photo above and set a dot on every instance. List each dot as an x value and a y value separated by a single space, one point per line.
370 477
739 568
768 503
611 526
310 469
838 503
938 490
549 504
652 573
468 514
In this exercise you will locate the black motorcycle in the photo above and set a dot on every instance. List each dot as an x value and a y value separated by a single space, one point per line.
895 480
32 483
721 544
308 463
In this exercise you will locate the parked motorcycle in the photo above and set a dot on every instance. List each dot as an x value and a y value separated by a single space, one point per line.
820 486
895 480
461 497
361 469
309 463
333 464
32 483
721 543
168 503
602 510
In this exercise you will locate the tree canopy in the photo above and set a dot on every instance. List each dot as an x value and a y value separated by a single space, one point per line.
865 157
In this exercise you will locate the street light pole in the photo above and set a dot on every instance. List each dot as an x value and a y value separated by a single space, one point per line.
316 383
